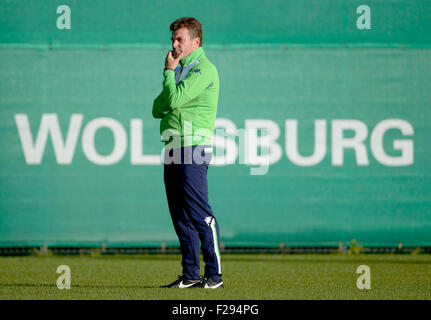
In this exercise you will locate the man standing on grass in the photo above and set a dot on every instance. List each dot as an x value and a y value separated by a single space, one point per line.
187 106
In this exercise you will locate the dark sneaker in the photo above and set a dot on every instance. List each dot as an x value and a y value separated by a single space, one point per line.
182 283
208 283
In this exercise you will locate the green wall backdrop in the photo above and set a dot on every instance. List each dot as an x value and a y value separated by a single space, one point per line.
278 61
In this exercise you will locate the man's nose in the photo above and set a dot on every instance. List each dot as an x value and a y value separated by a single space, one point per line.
175 44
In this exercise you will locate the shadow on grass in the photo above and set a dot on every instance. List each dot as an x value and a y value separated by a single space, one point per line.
119 286
286 258
272 258
349 259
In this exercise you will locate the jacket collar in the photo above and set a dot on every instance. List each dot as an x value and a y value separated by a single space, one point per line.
195 54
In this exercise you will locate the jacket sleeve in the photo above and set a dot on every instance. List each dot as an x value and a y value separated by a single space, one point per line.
194 83
158 106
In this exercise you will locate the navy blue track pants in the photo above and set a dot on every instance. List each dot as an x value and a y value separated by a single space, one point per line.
194 222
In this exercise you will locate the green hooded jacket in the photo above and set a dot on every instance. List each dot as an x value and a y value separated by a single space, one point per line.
187 104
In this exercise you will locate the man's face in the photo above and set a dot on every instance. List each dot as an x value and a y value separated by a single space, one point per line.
182 44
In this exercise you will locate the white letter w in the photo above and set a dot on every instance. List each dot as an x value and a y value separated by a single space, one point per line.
33 152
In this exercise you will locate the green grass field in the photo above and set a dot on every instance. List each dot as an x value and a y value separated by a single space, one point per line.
258 276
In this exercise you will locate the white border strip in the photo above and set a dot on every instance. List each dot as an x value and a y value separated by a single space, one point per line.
216 248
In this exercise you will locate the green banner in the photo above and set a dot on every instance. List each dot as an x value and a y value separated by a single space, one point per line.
314 144
225 22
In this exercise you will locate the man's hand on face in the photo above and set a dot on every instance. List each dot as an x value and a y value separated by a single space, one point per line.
171 62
